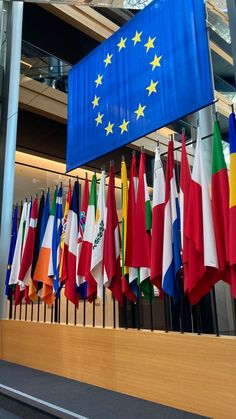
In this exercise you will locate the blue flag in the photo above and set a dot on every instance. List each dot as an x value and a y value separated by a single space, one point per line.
46 213
8 290
151 72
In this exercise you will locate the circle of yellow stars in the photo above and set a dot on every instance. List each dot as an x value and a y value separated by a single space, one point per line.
151 88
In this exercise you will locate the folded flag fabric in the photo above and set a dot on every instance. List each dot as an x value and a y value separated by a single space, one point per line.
202 256
171 245
126 289
56 243
158 210
220 204
84 267
232 201
112 244
44 268
80 281
70 247
63 273
8 290
98 237
142 233
185 179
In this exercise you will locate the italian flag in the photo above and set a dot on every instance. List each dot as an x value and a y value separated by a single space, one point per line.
142 233
84 265
220 204
202 255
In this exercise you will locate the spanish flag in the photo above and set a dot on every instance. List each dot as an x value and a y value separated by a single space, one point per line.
232 201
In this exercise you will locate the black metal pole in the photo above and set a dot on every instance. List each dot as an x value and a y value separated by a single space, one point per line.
166 313
133 317
38 303
52 314
84 319
103 307
199 319
125 311
10 307
55 310
150 305
181 282
32 311
75 315
26 309
214 312
44 313
138 310
59 309
14 311
67 309
94 319
114 313
20 310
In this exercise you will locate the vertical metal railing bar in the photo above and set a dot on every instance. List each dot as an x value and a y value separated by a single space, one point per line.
166 313
67 309
38 311
84 316
55 310
45 313
214 312
14 311
32 311
181 304
103 307
52 309
20 310
138 310
26 309
151 307
75 315
199 319
59 309
125 311
170 312
114 313
94 319
10 307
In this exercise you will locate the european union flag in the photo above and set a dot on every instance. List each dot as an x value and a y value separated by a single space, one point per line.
151 72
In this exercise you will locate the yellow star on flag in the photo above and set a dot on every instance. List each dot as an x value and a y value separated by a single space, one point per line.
150 43
95 101
124 126
98 80
99 119
108 59
140 110
152 87
109 128
156 62
136 37
122 43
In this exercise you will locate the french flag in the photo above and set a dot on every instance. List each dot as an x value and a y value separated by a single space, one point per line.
171 246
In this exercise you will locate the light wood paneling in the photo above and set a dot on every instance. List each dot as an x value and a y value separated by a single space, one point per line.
190 372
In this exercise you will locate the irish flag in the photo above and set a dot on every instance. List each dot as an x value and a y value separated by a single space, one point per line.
202 255
84 266
44 267
157 222
220 204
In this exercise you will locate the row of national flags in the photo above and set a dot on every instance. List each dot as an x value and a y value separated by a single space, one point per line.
189 235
